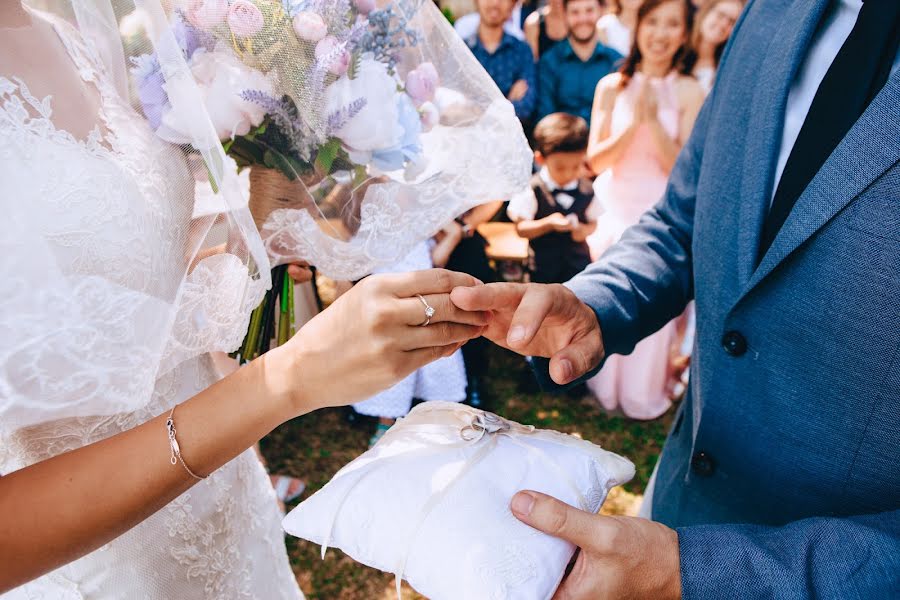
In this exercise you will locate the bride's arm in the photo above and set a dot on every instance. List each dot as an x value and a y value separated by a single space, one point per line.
64 507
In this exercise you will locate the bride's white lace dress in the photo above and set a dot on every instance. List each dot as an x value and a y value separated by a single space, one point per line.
103 205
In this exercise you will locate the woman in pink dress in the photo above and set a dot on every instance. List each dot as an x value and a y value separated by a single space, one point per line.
642 116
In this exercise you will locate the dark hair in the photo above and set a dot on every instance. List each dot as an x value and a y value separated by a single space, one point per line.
696 35
684 59
566 2
560 132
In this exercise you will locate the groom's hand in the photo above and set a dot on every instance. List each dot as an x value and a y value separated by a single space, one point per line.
619 557
539 320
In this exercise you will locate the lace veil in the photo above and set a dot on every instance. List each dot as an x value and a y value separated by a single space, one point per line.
129 245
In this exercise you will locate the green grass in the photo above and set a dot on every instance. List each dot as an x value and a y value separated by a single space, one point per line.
314 447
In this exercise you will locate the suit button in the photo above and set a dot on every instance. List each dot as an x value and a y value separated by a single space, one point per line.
734 343
703 464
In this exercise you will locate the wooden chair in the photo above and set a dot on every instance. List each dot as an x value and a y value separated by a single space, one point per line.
508 251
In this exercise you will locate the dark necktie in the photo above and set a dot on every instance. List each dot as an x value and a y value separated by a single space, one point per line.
858 73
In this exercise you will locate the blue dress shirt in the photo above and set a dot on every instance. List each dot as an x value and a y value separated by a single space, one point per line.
567 83
510 62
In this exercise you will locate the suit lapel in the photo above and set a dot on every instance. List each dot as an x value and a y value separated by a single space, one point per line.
784 56
866 152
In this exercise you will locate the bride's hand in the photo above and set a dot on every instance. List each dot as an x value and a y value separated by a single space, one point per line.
372 337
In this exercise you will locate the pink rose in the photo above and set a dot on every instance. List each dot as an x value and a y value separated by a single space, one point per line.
364 6
310 26
422 82
333 54
206 14
244 19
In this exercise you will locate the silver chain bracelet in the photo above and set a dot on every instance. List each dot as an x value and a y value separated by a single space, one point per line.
176 449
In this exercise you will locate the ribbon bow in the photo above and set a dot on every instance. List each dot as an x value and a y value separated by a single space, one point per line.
483 423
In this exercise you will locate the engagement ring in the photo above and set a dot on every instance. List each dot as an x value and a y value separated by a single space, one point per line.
429 311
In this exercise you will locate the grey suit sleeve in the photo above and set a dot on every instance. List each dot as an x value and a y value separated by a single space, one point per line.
846 558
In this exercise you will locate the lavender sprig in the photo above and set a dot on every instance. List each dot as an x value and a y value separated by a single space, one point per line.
284 115
354 34
337 119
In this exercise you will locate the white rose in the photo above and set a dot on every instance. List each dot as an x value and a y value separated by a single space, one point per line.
222 79
376 126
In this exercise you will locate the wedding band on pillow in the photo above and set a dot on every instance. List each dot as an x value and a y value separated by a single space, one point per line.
176 449
429 311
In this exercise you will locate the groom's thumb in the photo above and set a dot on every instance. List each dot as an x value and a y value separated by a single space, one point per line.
553 517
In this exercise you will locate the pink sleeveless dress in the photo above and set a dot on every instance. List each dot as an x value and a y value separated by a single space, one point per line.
639 384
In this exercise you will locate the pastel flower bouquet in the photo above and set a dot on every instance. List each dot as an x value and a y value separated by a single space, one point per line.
299 85
351 115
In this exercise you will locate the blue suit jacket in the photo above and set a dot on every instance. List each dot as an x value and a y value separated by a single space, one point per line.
797 491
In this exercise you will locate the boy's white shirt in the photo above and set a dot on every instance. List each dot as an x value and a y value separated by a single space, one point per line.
523 206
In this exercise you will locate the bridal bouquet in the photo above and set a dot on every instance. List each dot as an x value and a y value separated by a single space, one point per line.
342 108
323 100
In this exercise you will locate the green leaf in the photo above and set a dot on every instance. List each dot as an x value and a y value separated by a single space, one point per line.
252 135
327 154
359 175
247 150
353 69
276 160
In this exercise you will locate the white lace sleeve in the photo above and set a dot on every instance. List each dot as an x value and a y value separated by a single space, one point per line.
69 341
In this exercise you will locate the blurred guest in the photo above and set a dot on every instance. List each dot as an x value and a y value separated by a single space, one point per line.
467 25
642 116
616 28
507 60
469 255
558 211
570 70
545 27
714 23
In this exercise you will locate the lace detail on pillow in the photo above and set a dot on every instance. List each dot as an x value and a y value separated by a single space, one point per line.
514 570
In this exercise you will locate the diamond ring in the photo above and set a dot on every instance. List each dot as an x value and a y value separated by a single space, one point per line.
429 311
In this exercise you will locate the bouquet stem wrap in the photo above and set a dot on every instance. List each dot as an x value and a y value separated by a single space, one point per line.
273 319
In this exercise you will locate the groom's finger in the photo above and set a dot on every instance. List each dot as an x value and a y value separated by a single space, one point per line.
576 359
554 517
493 296
529 316
432 281
413 311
